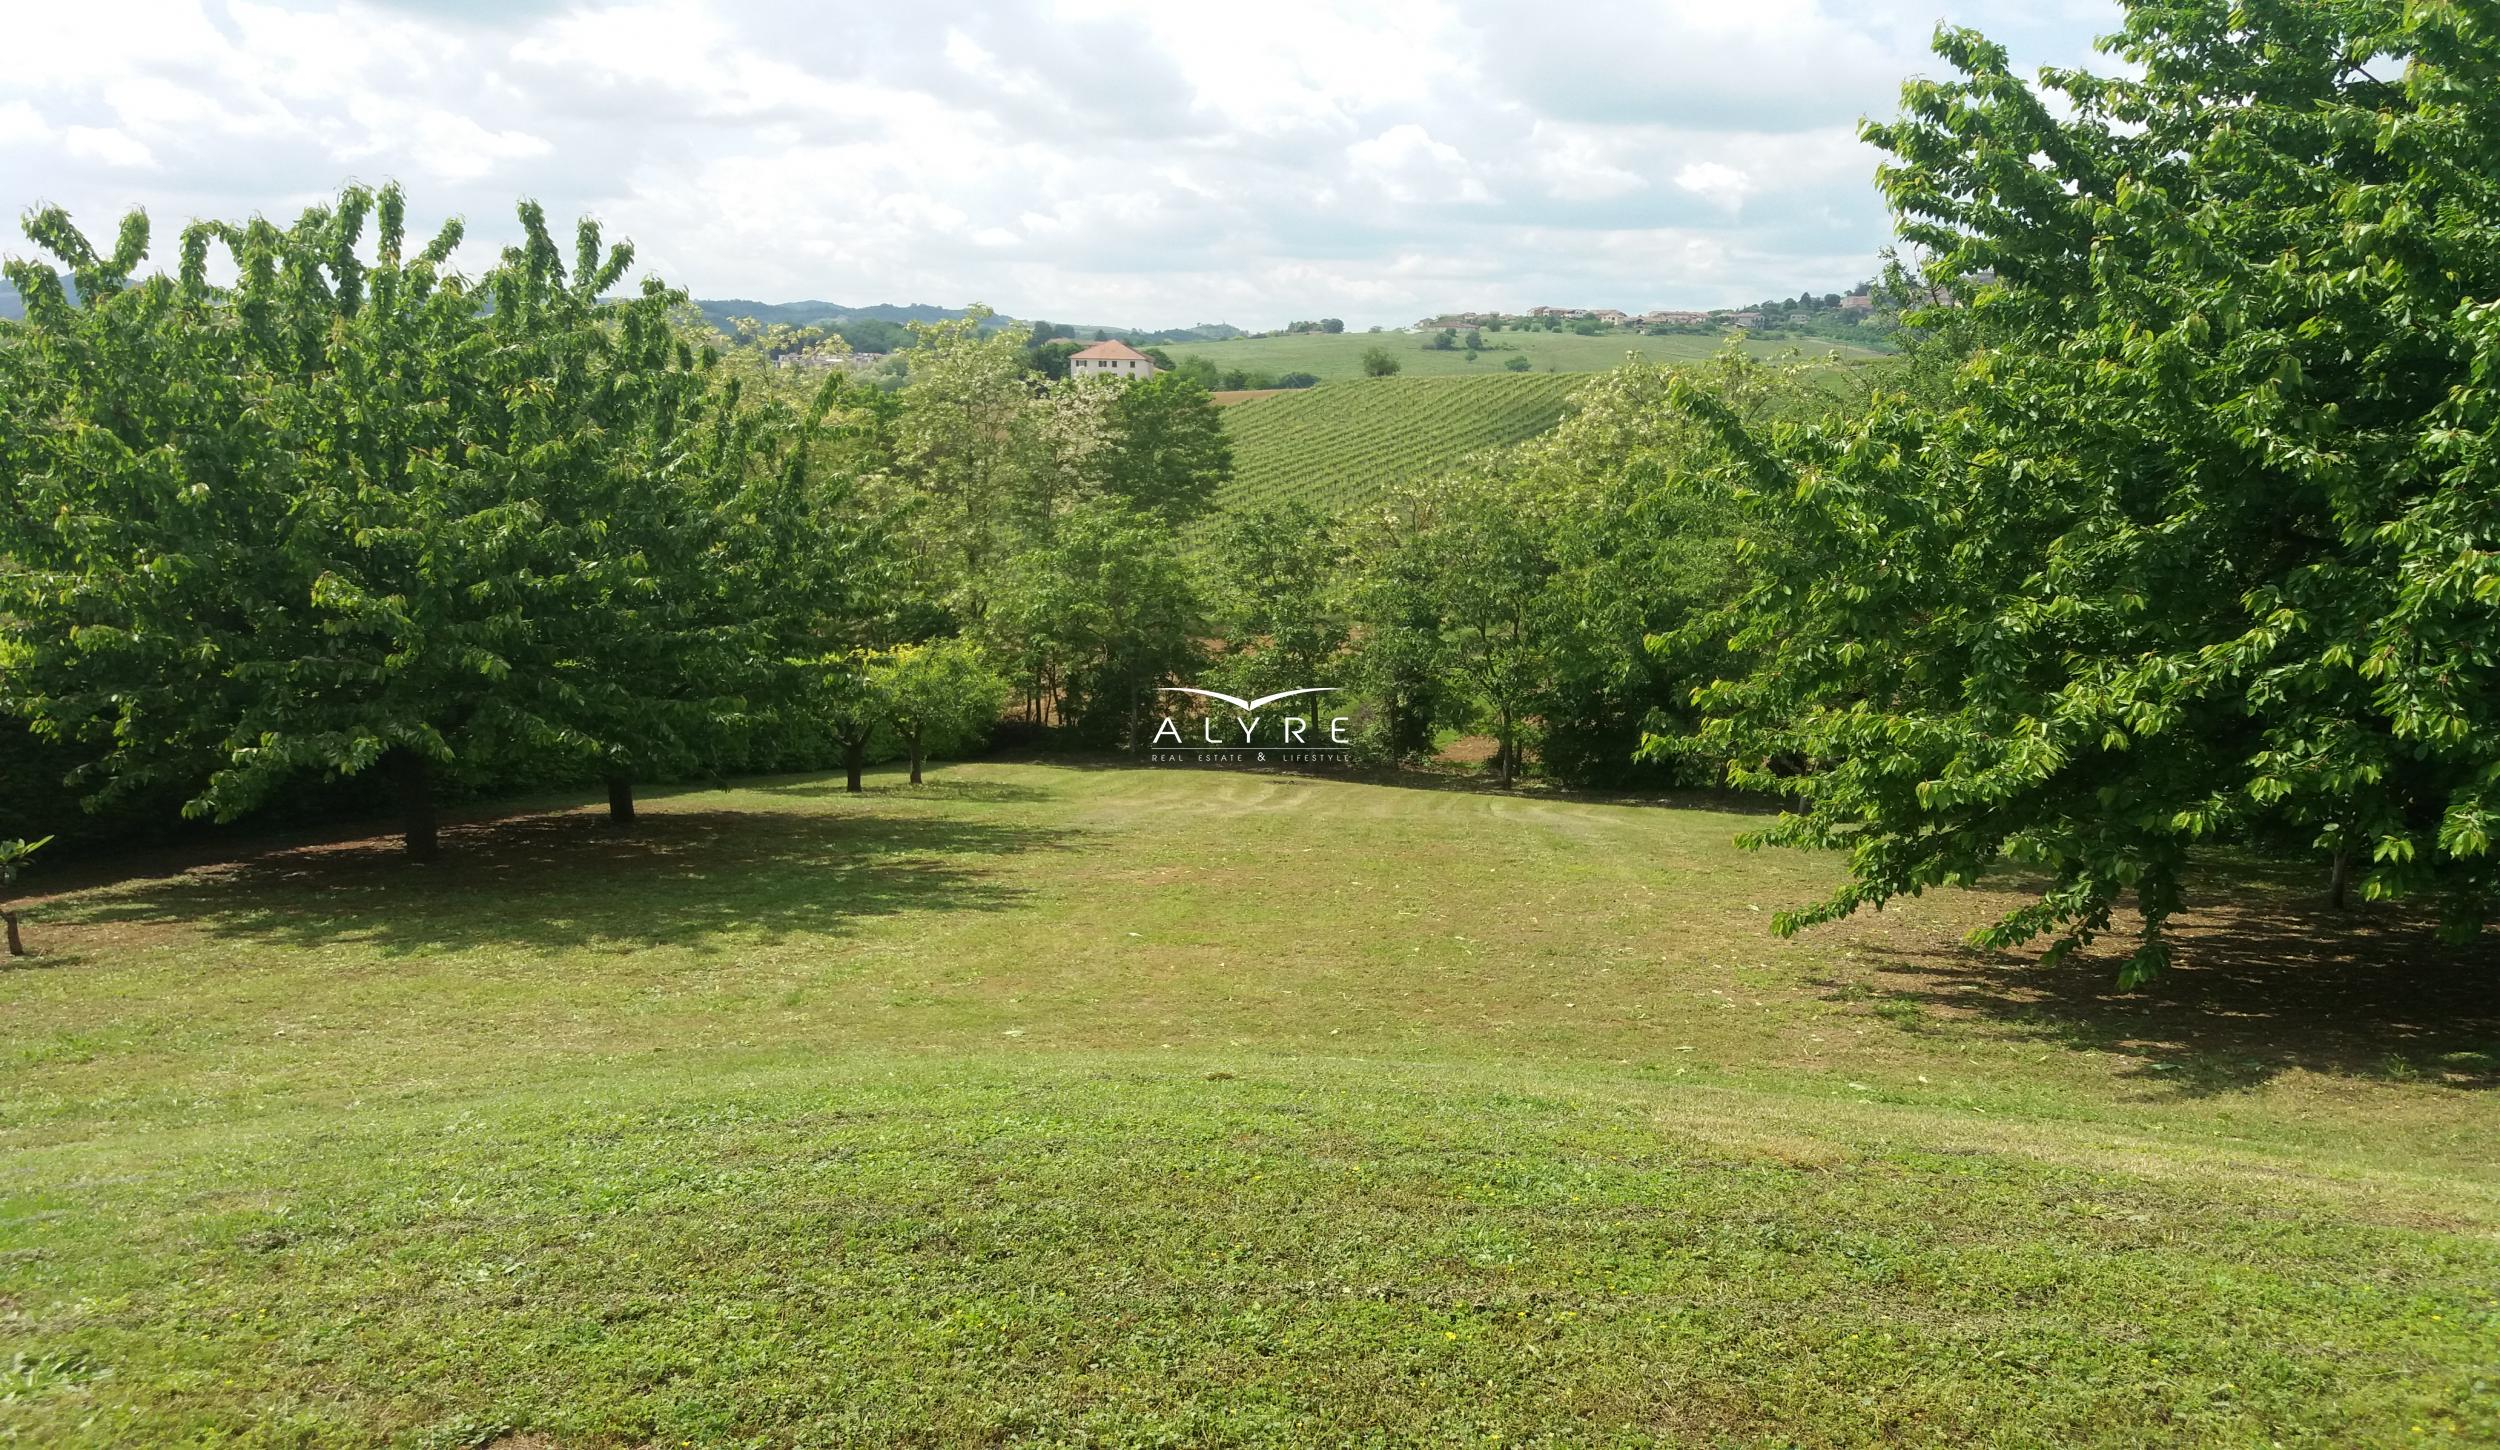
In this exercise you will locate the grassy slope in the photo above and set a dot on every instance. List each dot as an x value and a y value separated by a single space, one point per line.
1329 357
1132 1107
1340 443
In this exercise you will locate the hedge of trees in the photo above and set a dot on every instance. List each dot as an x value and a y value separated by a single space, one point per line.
1565 597
2179 524
351 516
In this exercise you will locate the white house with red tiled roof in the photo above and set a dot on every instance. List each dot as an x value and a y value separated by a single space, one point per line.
1111 359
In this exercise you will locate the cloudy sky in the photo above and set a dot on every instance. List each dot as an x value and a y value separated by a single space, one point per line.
1100 161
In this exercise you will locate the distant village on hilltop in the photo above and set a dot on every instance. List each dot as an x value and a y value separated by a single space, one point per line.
1850 306
1863 316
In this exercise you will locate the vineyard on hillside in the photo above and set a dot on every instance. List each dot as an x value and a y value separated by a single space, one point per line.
1342 443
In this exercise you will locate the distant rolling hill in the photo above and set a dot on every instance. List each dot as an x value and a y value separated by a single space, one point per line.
13 307
890 317
719 310
1348 442
715 311
1330 356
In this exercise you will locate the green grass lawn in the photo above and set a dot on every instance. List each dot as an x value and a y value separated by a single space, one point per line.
1050 1105
1331 356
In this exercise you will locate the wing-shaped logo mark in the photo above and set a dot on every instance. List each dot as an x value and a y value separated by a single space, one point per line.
1240 703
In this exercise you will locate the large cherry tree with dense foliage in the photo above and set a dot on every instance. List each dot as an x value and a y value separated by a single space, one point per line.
1638 567
1103 614
348 513
2202 539
939 695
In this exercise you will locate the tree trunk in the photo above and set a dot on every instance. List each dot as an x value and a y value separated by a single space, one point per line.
2339 879
17 944
412 777
854 755
915 757
620 800
1503 752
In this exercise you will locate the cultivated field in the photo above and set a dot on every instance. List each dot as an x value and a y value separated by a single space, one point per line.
1343 443
1331 356
1051 1105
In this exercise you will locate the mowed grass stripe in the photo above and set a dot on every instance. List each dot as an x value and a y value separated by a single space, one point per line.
1343 444
1126 1251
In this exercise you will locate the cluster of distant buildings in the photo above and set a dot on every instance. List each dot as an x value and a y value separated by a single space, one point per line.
1615 317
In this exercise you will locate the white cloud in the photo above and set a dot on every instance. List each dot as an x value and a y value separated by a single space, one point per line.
1585 164
106 147
1124 161
1407 165
1722 186
21 123
459 149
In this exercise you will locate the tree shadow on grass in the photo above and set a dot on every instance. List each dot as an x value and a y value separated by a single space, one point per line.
551 881
2262 984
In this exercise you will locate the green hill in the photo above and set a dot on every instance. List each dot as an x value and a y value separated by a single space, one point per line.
1331 356
1345 442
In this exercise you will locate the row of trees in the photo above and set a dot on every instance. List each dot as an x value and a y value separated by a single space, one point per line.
1200 369
1562 598
1048 520
2179 524
354 515
930 697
